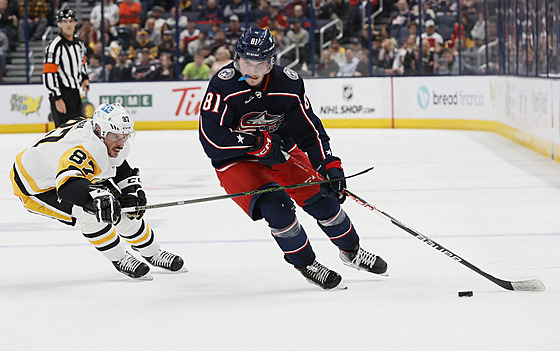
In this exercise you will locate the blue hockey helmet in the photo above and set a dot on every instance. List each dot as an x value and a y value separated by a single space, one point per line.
256 44
65 13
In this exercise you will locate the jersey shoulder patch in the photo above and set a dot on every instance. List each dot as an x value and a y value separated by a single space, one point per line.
226 73
291 73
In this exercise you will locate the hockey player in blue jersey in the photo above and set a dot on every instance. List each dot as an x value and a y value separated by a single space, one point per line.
259 130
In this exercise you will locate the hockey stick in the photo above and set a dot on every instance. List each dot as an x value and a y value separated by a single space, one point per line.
244 193
522 285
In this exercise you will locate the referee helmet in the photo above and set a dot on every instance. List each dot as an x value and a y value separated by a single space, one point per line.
65 13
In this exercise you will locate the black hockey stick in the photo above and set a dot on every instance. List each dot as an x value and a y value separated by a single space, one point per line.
244 193
521 285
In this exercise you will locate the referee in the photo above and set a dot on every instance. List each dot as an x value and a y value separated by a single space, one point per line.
65 69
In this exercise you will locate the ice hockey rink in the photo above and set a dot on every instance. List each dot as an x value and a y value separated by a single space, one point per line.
491 201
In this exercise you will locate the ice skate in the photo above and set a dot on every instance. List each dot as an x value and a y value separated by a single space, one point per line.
364 261
133 268
167 260
321 276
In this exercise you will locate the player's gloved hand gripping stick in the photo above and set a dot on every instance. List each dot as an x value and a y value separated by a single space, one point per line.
268 148
331 168
522 285
104 206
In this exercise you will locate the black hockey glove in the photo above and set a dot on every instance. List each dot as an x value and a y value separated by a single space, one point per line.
132 193
105 207
331 168
268 148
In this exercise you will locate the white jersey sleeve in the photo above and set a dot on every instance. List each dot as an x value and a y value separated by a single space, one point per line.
74 151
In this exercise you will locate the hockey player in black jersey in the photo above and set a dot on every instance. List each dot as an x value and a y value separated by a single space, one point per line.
259 130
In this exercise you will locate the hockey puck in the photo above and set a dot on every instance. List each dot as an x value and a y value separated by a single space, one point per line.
465 293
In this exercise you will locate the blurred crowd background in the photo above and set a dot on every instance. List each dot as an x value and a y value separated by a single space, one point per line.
146 40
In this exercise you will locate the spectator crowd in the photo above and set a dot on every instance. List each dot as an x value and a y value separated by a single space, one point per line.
140 36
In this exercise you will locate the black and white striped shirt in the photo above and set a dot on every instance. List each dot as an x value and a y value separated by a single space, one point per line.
65 65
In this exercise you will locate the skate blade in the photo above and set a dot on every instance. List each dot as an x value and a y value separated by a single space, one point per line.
146 276
340 286
181 270
165 270
364 270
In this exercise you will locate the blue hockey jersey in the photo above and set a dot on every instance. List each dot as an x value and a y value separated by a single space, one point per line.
231 111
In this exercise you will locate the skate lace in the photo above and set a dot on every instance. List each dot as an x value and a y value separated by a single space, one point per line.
162 259
367 258
128 263
318 271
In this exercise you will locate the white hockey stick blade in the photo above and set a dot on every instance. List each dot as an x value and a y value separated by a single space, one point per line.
528 285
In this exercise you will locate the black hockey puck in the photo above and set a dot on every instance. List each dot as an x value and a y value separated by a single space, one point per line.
465 293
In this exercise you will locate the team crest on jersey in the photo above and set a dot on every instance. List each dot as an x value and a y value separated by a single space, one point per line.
291 73
226 73
260 120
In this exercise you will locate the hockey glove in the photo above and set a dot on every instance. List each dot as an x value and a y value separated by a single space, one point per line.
132 193
268 148
331 168
105 207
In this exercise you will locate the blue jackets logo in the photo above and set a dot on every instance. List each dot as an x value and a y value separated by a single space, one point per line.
260 120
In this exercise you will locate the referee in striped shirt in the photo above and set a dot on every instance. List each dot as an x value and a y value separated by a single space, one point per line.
65 69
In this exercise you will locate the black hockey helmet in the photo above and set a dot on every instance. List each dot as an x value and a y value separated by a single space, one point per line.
256 44
65 13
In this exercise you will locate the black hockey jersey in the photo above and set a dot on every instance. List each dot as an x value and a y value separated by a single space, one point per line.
232 110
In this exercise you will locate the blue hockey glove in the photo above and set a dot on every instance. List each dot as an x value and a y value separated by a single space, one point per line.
331 168
268 148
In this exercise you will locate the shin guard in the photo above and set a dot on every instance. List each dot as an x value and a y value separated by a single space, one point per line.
139 235
295 244
340 230
334 222
278 210
101 235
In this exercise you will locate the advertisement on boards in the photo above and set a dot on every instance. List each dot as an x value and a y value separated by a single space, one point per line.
525 104
24 104
442 98
350 98
153 101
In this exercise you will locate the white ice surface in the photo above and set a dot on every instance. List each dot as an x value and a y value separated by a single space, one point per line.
491 201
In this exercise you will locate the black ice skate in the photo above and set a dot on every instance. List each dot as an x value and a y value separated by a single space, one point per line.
167 260
132 267
321 276
364 261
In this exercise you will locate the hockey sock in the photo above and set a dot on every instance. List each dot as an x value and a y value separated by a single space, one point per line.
139 235
102 235
278 210
107 242
334 222
295 244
